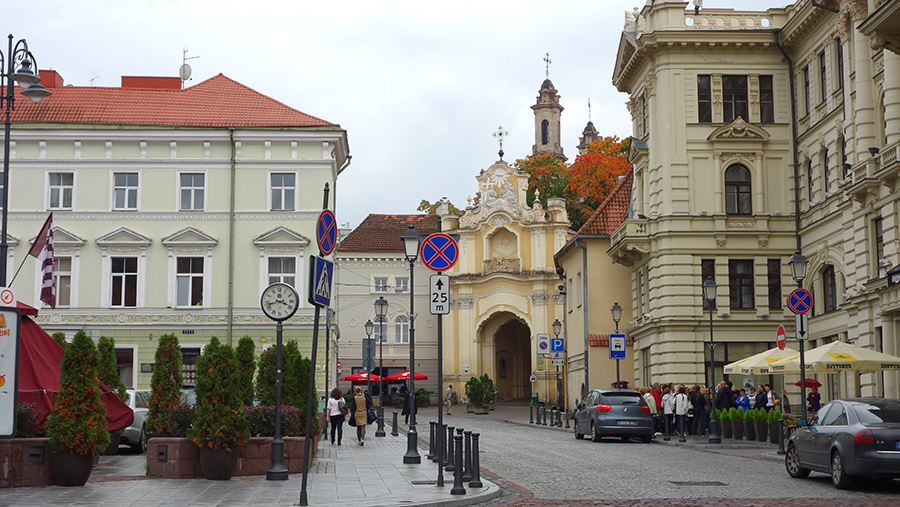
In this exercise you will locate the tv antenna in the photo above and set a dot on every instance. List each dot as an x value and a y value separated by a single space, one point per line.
185 71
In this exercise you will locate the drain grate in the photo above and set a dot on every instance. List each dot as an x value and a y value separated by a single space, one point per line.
698 483
423 483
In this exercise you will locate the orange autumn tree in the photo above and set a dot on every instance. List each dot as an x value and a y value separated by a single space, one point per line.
593 175
548 176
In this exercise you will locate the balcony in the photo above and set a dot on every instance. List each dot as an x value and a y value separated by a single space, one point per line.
630 242
512 266
888 166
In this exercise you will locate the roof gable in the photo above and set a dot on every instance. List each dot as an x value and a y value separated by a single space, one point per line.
123 236
189 236
381 233
612 212
281 236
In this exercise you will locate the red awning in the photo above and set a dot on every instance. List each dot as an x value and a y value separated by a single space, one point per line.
39 360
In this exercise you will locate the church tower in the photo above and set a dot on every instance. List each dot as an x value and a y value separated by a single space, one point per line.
588 136
546 119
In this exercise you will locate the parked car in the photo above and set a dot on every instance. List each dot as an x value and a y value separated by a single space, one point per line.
614 413
136 435
855 437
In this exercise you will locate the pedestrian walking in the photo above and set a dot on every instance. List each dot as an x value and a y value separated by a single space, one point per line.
336 409
409 404
361 405
448 397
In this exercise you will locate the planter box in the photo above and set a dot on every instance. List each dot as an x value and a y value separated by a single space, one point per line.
179 458
25 462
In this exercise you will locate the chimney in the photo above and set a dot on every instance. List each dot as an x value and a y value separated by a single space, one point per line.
153 82
50 78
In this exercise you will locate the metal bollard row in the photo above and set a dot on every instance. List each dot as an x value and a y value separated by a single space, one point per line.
430 454
394 432
467 457
476 464
450 465
458 488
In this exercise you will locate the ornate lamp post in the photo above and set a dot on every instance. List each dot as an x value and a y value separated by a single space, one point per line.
32 88
710 288
369 328
411 248
616 312
557 327
381 306
798 264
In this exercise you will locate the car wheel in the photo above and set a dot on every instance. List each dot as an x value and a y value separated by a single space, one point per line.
839 477
595 436
141 445
792 464
578 435
646 439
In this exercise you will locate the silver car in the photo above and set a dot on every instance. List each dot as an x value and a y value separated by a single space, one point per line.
618 413
136 435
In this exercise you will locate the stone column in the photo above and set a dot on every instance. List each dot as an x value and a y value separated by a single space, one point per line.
718 185
892 96
864 106
759 183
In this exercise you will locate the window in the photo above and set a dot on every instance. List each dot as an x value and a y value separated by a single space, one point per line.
189 281
773 269
740 284
806 90
381 284
645 366
125 191
825 169
704 102
283 269
823 87
401 284
569 295
283 187
836 416
380 331
124 281
734 95
707 270
578 289
845 169
401 329
61 185
193 188
829 289
545 132
879 240
62 271
737 191
766 100
809 182
840 63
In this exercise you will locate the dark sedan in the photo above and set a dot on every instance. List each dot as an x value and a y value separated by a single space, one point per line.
614 413
856 437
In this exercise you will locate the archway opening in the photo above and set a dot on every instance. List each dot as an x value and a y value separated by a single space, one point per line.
512 359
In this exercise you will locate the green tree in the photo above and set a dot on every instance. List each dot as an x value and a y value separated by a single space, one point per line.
60 338
165 384
77 423
301 379
106 367
265 378
245 353
219 419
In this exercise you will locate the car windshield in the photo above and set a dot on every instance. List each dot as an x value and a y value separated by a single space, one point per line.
878 412
622 399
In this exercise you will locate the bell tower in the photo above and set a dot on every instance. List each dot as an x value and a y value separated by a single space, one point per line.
547 112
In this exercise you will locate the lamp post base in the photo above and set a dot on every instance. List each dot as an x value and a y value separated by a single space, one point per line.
412 443
277 470
379 432
714 437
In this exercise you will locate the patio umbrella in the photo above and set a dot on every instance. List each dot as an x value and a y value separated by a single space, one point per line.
836 357
404 376
361 377
758 364
810 382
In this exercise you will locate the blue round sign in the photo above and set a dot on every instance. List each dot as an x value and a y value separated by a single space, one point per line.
439 251
800 301
326 232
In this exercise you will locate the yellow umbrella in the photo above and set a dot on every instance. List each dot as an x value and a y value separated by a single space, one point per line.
836 357
758 364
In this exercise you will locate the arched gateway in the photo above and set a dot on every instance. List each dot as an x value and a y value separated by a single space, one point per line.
504 287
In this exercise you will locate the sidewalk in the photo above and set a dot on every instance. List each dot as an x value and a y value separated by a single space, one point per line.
347 475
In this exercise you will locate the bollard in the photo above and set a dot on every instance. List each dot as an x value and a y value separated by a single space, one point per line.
394 427
430 454
544 415
530 414
467 457
681 429
442 457
451 463
567 419
439 455
476 464
458 488
559 418
552 416
666 437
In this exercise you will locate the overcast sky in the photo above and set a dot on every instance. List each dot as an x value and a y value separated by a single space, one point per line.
420 86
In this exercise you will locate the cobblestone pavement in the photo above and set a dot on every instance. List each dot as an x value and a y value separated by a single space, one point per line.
545 466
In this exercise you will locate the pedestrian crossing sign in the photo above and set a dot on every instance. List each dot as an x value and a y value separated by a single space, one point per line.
321 272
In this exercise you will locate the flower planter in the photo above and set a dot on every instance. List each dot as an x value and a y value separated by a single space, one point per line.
749 430
737 429
762 431
774 432
113 447
70 469
179 458
470 408
24 462
481 409
218 464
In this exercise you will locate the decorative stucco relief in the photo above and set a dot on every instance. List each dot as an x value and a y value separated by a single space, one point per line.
540 299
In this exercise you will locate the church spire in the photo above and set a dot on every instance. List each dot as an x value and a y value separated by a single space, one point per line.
547 111
588 135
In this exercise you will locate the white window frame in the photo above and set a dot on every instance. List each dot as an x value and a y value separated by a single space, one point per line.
134 361
179 191
113 188
375 285
269 190
190 276
106 282
49 201
401 330
381 331
112 275
269 275
57 272
401 287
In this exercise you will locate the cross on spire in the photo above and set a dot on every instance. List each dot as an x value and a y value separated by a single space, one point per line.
589 109
547 61
500 135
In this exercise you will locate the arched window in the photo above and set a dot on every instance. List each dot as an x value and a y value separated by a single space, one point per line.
737 191
829 289
545 132
401 329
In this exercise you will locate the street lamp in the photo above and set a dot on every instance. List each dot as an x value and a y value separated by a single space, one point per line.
369 328
709 294
798 264
616 311
410 240
32 88
381 306
557 327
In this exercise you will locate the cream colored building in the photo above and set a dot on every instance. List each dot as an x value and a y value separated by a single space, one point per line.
726 105
172 210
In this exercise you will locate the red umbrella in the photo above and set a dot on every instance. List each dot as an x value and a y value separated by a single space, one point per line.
404 376
810 382
362 377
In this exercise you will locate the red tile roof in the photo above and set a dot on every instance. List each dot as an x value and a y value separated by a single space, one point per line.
612 212
381 233
217 102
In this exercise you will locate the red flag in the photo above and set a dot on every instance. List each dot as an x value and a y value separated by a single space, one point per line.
42 250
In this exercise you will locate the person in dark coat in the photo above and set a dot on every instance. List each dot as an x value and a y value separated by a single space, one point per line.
724 398
409 404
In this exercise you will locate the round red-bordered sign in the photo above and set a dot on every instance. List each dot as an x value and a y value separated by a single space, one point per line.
533 378
800 301
779 338
326 232
439 251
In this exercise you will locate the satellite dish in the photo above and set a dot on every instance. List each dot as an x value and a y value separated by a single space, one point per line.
185 72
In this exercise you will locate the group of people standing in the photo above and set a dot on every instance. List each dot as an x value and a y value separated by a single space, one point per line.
683 407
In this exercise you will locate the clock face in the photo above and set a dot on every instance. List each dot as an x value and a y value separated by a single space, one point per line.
279 301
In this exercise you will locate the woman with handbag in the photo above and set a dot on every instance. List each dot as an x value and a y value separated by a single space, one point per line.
361 406
335 409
